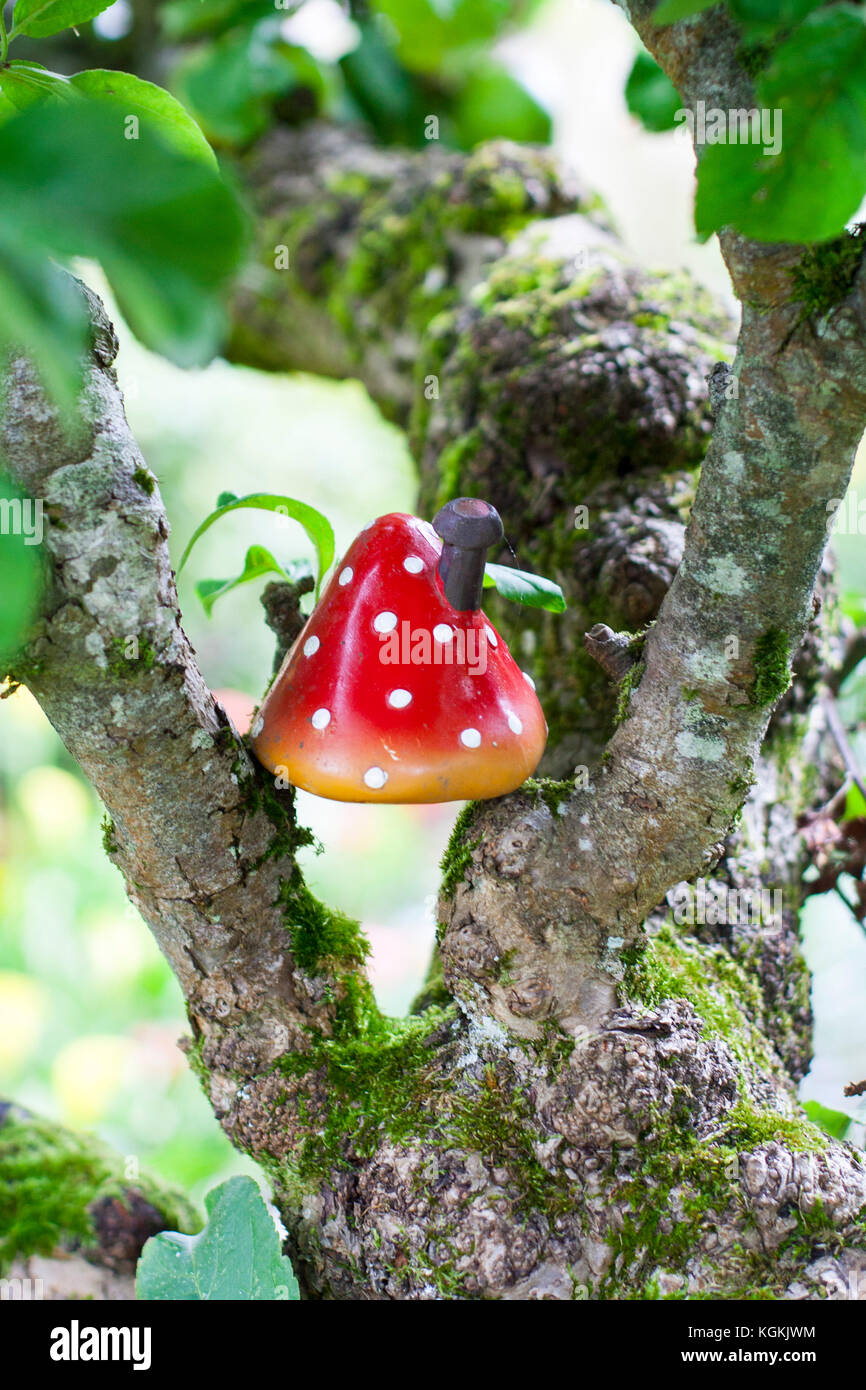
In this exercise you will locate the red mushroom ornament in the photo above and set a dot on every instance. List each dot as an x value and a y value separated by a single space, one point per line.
398 688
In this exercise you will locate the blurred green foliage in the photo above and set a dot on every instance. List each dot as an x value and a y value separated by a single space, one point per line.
405 62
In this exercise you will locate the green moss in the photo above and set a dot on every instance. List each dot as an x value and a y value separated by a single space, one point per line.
49 1180
740 786
825 273
122 666
772 667
625 689
553 793
109 844
434 990
145 480
387 1084
671 965
458 853
399 270
452 462
747 1126
376 1087
658 322
680 1187
318 934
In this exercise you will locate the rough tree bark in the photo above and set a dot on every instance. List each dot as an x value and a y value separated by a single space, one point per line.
587 1100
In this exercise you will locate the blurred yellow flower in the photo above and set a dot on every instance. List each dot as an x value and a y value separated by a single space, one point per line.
87 1075
118 945
54 804
23 1006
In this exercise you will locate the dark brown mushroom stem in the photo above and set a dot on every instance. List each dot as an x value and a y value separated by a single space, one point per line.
467 527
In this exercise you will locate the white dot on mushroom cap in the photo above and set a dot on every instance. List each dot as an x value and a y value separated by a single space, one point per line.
443 633
375 777
385 622
470 738
257 727
399 699
413 563
346 575
491 637
321 719
514 724
311 646
529 681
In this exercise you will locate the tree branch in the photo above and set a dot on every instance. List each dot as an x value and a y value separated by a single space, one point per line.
200 834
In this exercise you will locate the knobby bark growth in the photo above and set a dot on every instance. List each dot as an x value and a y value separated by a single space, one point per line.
587 1100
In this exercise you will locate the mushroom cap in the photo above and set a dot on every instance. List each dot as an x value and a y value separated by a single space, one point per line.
367 705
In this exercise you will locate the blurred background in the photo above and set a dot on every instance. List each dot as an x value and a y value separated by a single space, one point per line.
90 1011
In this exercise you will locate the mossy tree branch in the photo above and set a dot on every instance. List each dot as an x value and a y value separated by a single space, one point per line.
501 1148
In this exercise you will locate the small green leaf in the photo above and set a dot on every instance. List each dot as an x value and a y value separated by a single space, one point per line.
651 96
258 561
669 11
21 576
37 18
132 96
237 1256
26 84
855 804
317 526
533 590
833 1122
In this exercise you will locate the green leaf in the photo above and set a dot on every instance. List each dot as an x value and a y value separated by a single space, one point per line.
764 17
232 84
317 526
669 11
258 561
21 574
651 96
533 590
813 186
37 18
131 96
384 91
166 229
426 31
190 19
853 605
43 313
237 1256
855 804
493 105
27 84
833 1122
